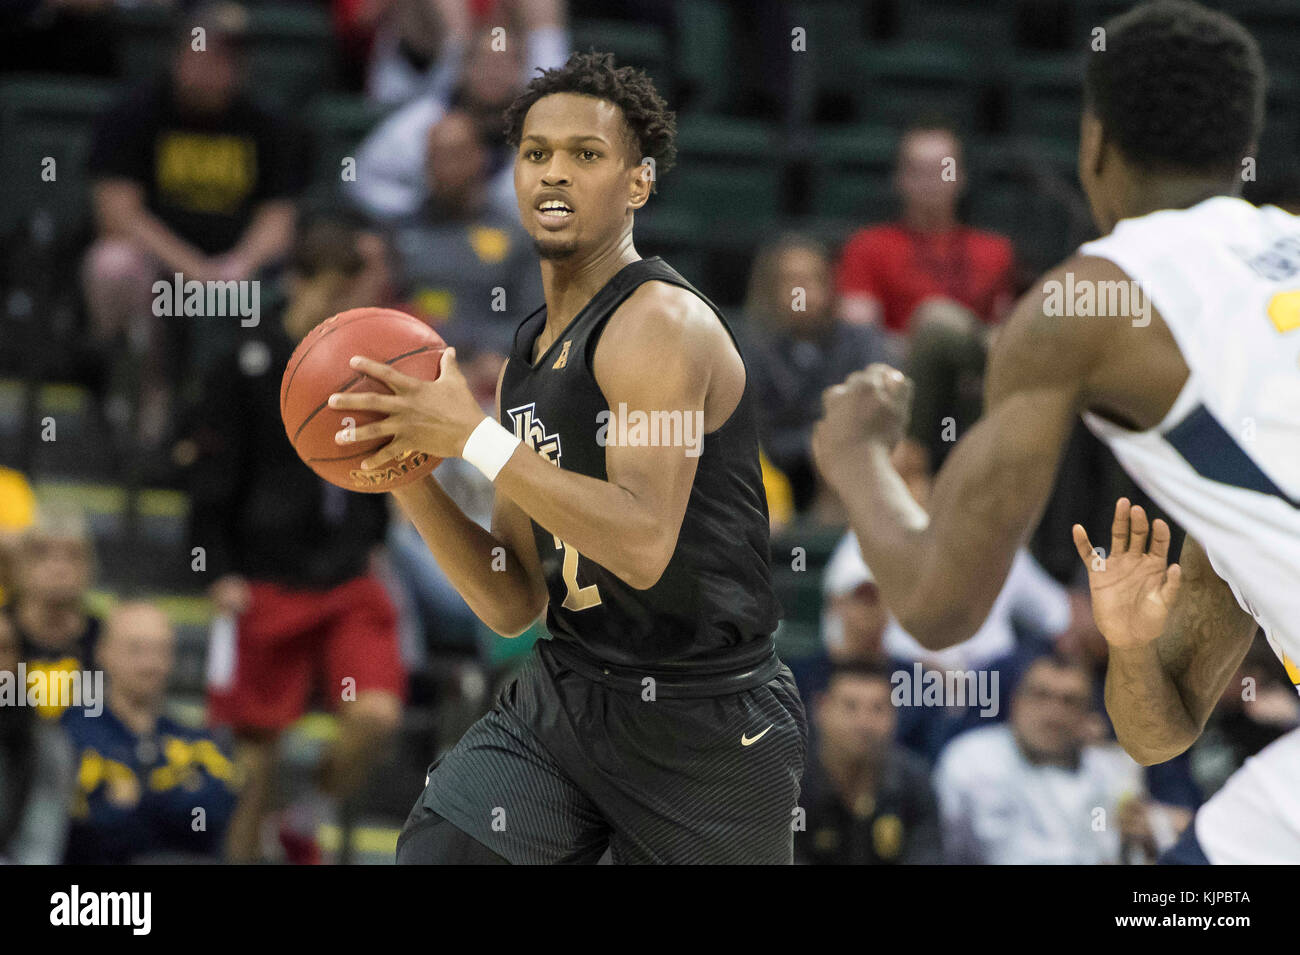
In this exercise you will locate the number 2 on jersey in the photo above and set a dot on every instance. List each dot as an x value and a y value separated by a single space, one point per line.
576 597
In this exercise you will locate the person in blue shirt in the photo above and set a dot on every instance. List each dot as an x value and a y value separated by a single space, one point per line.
147 786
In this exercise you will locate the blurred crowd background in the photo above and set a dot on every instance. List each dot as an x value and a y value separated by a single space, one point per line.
907 164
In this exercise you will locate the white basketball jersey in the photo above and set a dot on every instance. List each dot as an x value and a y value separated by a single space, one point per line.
1225 462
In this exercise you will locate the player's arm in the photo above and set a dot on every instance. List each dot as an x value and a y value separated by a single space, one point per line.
1176 634
656 354
939 572
507 600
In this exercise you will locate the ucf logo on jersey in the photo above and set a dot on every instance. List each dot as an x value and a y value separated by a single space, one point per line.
530 430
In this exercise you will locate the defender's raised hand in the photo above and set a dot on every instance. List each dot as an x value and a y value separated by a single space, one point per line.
1132 588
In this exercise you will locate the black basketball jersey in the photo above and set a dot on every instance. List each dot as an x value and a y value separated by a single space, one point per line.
713 610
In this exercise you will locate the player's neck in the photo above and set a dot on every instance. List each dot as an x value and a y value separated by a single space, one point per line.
570 283
1156 193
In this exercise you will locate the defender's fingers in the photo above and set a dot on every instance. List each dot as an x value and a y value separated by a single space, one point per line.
1169 589
1119 528
1138 526
1160 535
1082 545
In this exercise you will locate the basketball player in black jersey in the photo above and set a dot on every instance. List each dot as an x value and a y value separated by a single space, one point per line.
657 721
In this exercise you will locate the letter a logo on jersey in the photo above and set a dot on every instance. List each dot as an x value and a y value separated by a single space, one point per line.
530 430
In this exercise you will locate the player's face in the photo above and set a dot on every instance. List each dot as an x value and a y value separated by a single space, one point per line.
576 180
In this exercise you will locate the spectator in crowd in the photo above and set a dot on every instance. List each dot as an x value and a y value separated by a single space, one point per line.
868 800
55 566
190 176
419 46
291 556
1256 707
17 512
1034 790
36 773
852 633
795 348
464 267
148 788
887 271
392 163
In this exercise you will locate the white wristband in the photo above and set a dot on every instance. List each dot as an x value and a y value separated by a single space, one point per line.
489 447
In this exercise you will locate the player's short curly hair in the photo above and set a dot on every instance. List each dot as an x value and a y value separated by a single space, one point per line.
1178 87
652 124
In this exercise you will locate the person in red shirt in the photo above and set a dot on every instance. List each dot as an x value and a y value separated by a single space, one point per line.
886 271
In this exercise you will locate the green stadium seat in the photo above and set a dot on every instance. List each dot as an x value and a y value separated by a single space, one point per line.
726 195
859 197
1044 95
904 81
702 53
984 25
851 170
51 117
633 44
726 137
338 122
836 38
290 49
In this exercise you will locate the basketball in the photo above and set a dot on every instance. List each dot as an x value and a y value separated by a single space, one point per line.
319 367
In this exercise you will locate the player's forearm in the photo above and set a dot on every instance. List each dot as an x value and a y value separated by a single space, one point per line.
602 521
1147 709
891 530
470 557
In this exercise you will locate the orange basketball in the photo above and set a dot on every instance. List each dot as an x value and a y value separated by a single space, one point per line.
319 367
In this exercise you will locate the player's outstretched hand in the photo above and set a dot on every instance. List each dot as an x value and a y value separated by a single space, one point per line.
1132 588
870 407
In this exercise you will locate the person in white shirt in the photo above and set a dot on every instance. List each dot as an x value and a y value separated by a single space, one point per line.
1033 791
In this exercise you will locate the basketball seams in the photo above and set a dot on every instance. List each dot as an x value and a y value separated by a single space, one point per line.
356 378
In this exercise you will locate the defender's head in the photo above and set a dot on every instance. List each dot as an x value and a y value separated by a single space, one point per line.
583 134
1176 96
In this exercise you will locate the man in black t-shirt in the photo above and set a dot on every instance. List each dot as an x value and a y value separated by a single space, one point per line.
190 176
869 802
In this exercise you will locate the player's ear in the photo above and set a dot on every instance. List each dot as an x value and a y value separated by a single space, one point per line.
642 183
1092 145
